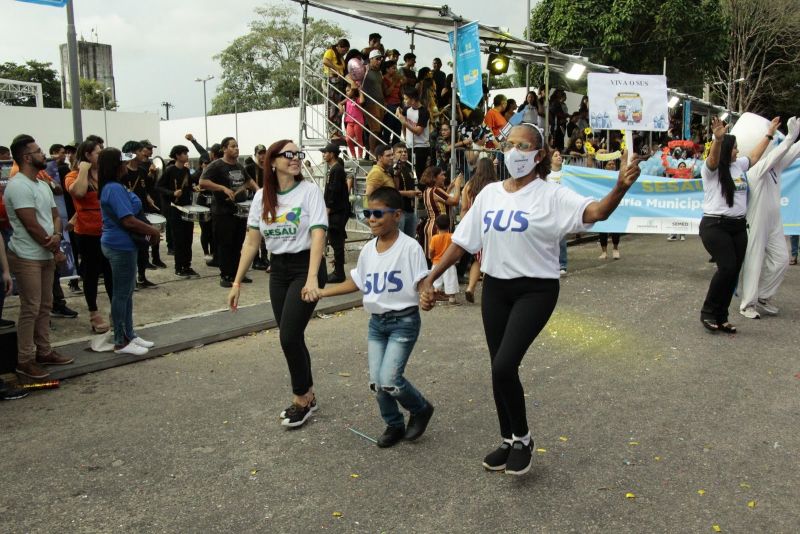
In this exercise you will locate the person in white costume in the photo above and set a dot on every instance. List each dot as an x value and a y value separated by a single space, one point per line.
767 258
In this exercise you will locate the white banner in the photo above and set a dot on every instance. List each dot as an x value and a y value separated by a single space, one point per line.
628 102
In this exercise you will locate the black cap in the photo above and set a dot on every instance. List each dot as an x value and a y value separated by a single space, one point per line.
147 144
259 149
330 147
132 146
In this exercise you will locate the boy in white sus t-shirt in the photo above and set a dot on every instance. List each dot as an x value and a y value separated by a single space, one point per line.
388 271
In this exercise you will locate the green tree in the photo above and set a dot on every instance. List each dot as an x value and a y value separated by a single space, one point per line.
92 95
32 71
260 69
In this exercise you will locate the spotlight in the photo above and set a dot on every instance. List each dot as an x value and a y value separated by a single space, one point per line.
575 71
673 102
498 63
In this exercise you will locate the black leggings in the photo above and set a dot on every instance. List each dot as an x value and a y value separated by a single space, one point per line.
94 263
514 312
726 241
287 278
229 232
603 238
182 232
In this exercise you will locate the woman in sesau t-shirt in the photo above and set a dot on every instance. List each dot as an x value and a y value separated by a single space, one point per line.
723 228
517 223
82 184
289 214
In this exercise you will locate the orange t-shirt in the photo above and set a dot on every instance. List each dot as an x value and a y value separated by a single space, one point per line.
88 218
439 244
495 120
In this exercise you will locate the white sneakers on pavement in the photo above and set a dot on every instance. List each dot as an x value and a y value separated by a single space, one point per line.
750 312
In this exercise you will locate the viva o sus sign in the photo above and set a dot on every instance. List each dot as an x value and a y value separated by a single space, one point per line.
628 102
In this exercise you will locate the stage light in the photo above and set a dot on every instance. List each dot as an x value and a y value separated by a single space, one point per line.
673 102
498 64
576 71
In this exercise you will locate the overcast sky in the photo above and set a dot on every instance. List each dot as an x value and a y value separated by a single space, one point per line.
161 46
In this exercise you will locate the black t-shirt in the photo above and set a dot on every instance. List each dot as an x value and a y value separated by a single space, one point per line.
255 172
404 173
337 197
231 176
172 179
140 183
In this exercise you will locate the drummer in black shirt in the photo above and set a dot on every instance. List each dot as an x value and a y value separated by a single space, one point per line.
176 185
139 182
229 182
255 168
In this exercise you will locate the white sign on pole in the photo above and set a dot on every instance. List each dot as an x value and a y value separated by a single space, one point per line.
628 102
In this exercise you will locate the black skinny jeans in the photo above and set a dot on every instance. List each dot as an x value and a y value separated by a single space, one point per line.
603 238
726 240
514 312
229 231
287 278
94 263
182 232
336 239
207 237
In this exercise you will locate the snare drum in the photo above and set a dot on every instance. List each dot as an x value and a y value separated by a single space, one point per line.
243 209
157 221
194 213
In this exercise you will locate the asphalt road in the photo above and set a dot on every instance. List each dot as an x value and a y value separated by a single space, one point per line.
643 422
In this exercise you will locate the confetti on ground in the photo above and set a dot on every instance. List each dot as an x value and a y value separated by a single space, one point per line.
701 492
657 458
345 375
337 514
752 504
630 495
253 471
541 451
354 475
716 528
563 438
744 485
633 443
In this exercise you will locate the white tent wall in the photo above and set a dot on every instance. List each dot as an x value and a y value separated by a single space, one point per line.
54 125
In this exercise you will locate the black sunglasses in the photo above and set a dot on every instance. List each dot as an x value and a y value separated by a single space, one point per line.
378 213
290 154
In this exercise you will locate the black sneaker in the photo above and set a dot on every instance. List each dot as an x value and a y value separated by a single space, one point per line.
336 278
6 324
496 460
312 407
63 311
183 273
75 287
391 436
150 267
296 416
259 265
246 280
224 281
191 272
519 458
160 264
418 422
144 283
212 263
12 393
170 252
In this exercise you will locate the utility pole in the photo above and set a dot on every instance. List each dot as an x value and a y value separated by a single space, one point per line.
167 105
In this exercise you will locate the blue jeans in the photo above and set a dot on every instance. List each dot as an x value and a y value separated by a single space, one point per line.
389 344
562 254
123 275
794 240
408 224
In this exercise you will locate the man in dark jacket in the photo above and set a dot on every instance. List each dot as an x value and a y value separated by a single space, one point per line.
337 201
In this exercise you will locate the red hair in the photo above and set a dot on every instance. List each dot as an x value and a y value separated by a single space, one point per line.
269 192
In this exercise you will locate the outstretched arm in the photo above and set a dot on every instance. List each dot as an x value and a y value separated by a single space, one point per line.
794 152
775 158
758 151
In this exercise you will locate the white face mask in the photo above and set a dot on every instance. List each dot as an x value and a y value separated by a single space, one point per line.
520 164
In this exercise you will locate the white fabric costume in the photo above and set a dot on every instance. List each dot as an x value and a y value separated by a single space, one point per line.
767 257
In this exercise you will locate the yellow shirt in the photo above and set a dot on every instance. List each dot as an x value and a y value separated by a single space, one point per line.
330 55
377 177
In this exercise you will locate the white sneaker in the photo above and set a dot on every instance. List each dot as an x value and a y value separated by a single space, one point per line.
132 348
767 306
562 271
103 342
672 237
603 256
750 312
142 342
683 237
615 254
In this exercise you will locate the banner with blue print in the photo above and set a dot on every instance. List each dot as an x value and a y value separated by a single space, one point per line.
468 64
53 3
658 205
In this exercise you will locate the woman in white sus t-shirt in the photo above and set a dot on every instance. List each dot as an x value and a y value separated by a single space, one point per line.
289 214
723 228
518 224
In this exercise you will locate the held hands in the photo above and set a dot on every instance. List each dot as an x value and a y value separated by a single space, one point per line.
311 291
427 298
718 127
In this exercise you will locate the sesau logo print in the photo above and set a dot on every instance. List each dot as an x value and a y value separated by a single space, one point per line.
383 282
285 225
505 221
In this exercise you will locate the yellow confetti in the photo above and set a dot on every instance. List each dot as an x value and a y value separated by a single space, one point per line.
253 471
354 475
630 495
701 492
344 374
716 528
657 458
563 438
337 514
751 504
541 451
633 443
744 485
